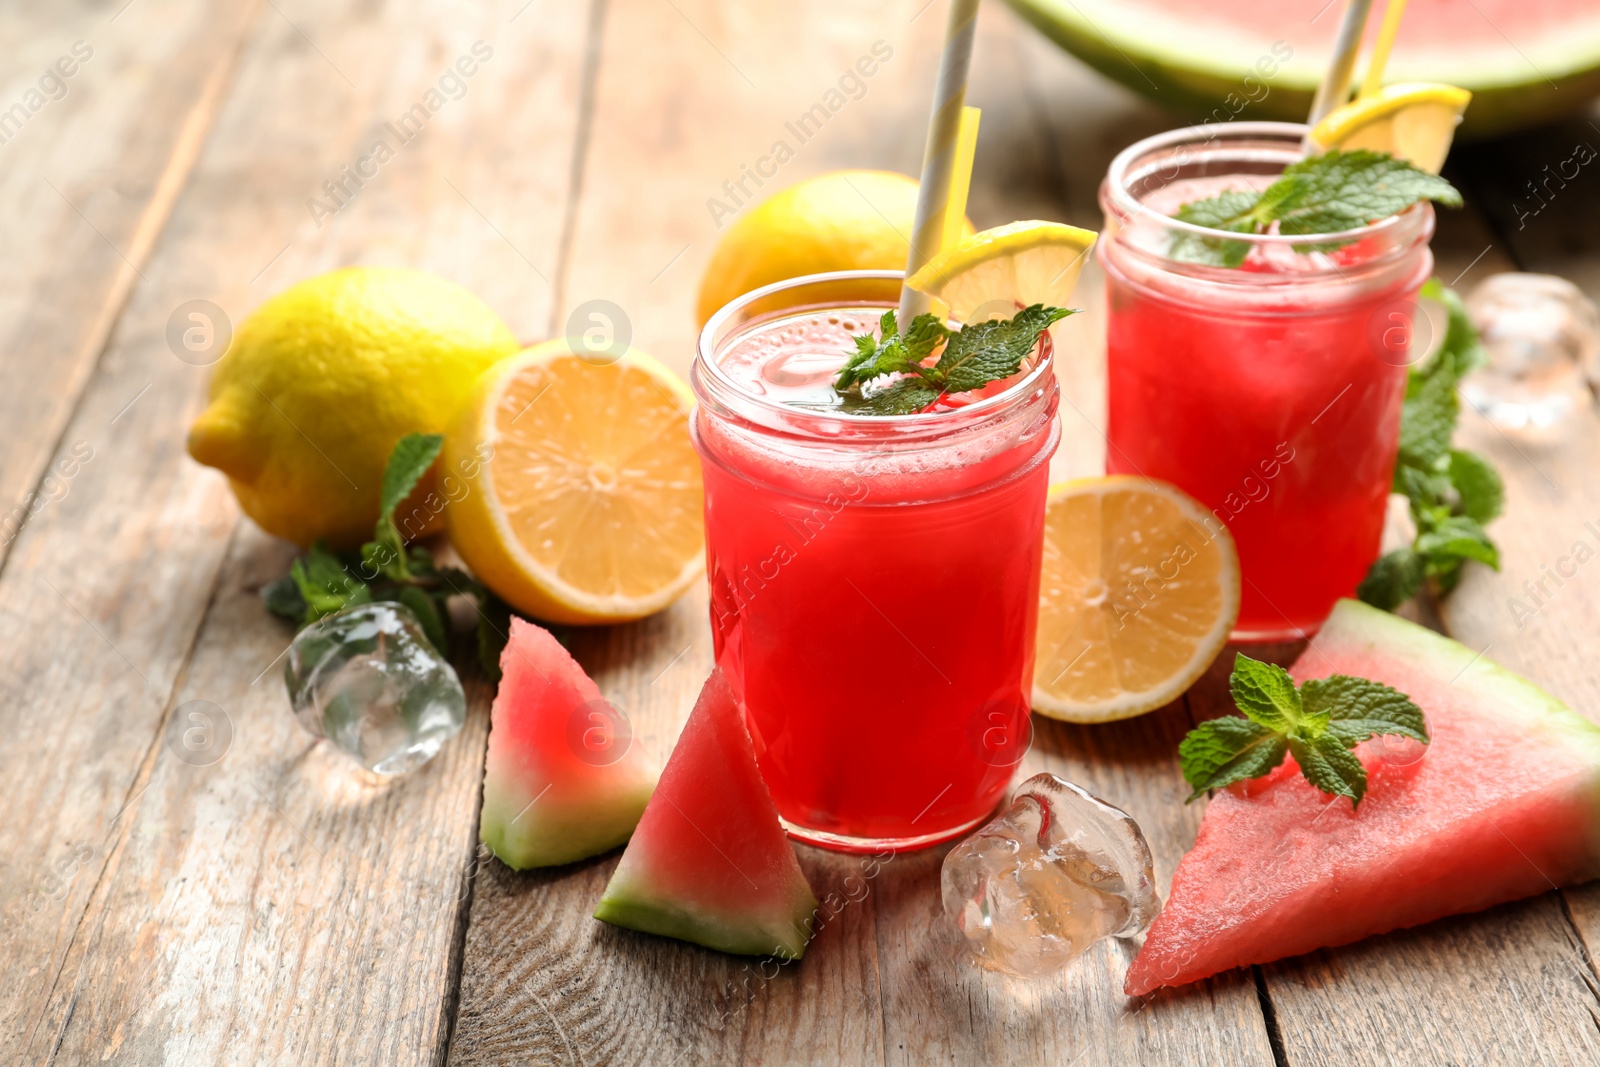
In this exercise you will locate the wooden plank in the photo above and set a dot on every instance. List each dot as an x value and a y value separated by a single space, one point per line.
269 908
91 173
541 980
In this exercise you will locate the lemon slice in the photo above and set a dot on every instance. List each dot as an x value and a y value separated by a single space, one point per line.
990 274
1139 593
577 494
1414 121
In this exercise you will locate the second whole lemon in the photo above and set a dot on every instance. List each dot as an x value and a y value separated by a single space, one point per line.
842 220
323 379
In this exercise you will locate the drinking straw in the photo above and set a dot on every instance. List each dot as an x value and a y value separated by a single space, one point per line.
955 209
938 157
1335 87
1373 80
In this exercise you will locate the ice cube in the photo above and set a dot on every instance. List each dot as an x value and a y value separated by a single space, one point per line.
1541 336
368 680
1055 872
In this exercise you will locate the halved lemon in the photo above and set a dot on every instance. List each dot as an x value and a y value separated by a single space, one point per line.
990 273
580 495
1139 593
1414 121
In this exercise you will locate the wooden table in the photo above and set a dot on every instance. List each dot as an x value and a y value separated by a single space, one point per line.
272 908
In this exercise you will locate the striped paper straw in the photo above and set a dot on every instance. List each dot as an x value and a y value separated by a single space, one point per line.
1381 47
949 96
1335 87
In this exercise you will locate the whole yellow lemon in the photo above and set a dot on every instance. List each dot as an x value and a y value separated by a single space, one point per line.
842 220
322 380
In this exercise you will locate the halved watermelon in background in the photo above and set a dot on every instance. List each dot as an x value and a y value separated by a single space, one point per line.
709 862
1525 61
1504 804
563 779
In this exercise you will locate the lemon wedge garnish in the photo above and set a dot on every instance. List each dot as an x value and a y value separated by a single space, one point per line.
993 273
578 497
1139 592
1414 121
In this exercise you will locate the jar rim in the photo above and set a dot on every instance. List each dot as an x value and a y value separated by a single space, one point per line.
1115 187
712 383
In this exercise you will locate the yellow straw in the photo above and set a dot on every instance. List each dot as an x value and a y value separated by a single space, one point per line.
1373 79
955 209
938 157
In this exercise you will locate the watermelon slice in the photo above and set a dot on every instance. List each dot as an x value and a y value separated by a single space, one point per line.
1504 804
709 862
563 779
1525 61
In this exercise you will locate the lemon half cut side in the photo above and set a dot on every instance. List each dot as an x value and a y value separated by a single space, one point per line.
586 504
1139 592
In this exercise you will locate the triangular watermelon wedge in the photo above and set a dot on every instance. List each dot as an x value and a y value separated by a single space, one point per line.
1504 804
709 862
563 778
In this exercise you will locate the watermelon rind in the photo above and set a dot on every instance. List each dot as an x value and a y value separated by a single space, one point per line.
784 933
1198 68
563 832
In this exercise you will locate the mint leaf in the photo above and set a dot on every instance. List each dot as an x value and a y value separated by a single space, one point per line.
974 356
1358 709
984 352
1452 492
412 456
1459 537
1327 193
891 353
1265 693
1393 579
324 583
430 613
1223 751
1479 492
1338 191
1330 766
1428 420
1230 211
904 397
282 597
1319 723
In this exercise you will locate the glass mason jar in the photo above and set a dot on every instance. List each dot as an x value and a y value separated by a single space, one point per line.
1270 391
874 580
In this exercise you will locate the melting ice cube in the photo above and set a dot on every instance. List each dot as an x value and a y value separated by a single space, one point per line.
368 680
1541 335
1055 872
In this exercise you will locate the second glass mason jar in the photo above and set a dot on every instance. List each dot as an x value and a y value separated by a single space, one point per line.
1269 391
874 580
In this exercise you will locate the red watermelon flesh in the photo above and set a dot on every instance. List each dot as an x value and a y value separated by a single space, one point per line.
709 862
1504 804
563 778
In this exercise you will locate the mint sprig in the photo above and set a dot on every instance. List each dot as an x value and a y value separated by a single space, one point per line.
1318 723
322 582
889 373
1453 493
1326 193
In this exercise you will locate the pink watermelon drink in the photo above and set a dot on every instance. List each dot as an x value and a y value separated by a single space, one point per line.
1271 391
874 580
1503 804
